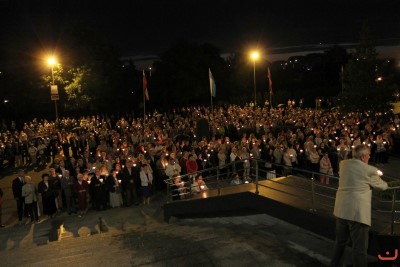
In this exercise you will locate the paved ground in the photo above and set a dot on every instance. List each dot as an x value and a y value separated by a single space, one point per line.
138 236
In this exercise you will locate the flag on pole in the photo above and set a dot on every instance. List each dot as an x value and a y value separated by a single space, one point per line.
270 82
213 87
146 93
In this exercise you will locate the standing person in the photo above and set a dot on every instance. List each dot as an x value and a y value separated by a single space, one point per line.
191 165
161 165
222 161
32 151
46 189
29 192
1 204
114 187
233 158
97 191
287 162
325 167
67 183
172 168
74 144
55 178
146 179
17 192
129 184
245 156
81 188
278 158
353 205
314 159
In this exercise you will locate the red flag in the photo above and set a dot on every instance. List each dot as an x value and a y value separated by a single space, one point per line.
146 93
270 82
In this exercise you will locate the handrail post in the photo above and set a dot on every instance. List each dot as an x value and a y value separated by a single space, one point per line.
393 211
218 183
313 209
257 192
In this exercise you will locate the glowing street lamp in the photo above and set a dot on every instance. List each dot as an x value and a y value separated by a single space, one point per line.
53 88
255 55
52 62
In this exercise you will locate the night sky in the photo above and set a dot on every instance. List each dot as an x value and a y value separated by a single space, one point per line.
150 27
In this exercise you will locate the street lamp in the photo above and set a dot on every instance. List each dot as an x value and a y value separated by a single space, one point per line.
53 88
255 55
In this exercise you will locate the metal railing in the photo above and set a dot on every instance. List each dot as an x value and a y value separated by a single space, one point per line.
299 187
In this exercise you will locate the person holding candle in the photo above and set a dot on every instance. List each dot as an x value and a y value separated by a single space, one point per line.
81 188
178 188
130 176
97 191
199 185
113 183
325 167
353 205
48 192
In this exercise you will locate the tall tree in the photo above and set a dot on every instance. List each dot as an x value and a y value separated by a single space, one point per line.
362 87
95 69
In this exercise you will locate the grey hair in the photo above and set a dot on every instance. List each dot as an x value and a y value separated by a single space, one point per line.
360 150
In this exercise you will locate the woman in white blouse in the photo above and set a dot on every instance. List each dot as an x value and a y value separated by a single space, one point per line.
146 179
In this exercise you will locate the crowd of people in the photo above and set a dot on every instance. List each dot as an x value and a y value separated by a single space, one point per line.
105 161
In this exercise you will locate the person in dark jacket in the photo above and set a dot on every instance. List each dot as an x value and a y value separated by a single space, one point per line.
48 192
17 192
130 180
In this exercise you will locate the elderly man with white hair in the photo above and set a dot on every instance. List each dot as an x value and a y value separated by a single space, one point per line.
30 194
353 205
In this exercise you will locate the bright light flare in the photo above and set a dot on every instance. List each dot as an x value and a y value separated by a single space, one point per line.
255 55
51 61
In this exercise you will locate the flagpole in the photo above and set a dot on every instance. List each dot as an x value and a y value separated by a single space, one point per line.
212 94
270 87
212 113
144 101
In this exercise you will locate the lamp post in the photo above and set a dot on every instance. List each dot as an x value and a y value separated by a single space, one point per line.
53 88
255 55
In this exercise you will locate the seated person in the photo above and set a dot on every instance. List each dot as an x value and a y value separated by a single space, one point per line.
199 185
178 189
235 179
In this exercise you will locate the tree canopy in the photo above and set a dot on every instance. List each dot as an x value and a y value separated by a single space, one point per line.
363 87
